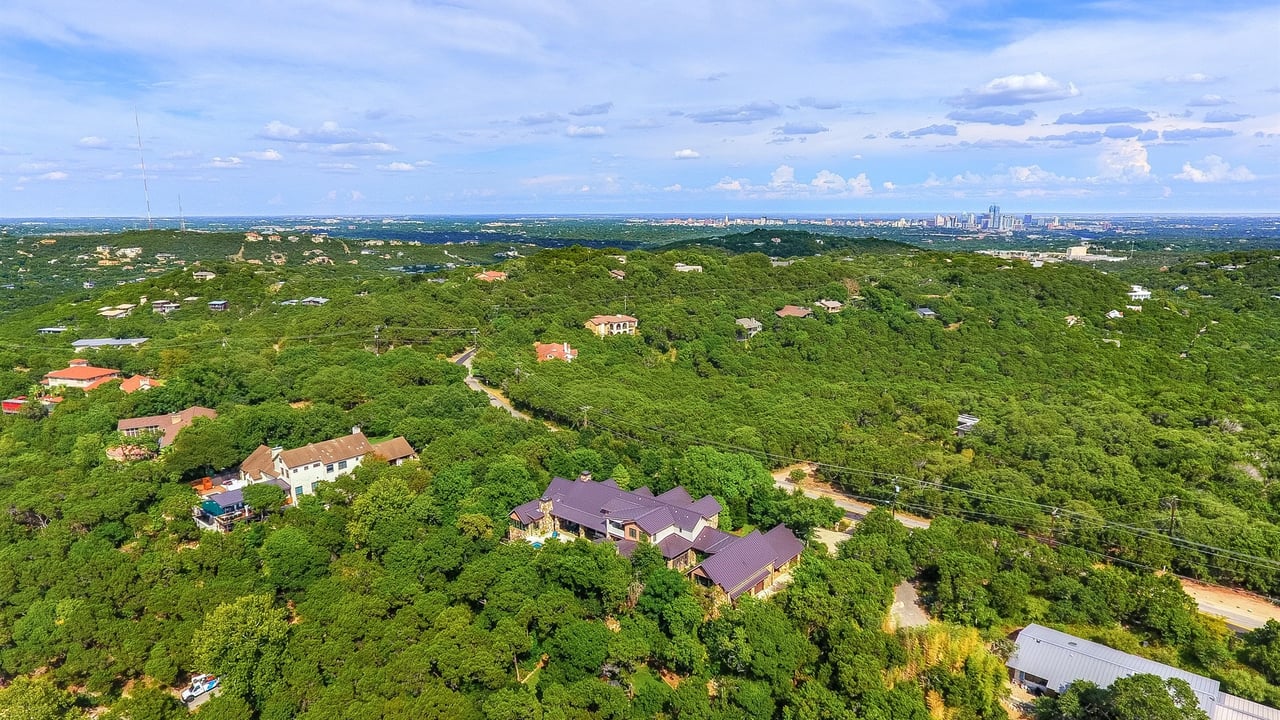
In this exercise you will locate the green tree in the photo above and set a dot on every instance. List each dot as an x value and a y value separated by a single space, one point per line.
291 561
243 642
36 699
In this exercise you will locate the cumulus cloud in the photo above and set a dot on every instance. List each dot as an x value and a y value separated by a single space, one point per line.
819 103
1197 78
991 117
225 162
597 109
1015 90
1104 116
889 185
544 118
1223 116
584 131
828 182
1214 169
687 154
1208 101
673 188
1075 137
397 167
800 128
364 148
268 155
329 132
1120 132
1031 174
751 112
1196 134
728 184
783 176
927 130
1124 160
93 142
55 175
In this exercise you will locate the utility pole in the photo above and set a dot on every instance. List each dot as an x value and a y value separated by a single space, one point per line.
1172 504
376 337
893 509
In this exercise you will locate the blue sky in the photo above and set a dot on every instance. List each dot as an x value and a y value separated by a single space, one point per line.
836 107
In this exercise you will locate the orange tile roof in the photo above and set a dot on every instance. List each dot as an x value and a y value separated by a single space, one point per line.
397 448
139 382
82 372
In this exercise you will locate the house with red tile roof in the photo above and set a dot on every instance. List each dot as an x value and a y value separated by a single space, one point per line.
606 325
79 374
134 383
683 529
554 351
793 311
490 276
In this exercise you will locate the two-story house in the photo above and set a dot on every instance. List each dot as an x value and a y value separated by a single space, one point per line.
302 468
683 529
606 325
79 374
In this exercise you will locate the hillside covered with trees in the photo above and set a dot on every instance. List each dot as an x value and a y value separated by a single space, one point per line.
391 593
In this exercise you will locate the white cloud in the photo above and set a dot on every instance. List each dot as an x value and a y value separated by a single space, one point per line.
1214 169
55 175
751 112
356 196
93 142
687 154
1124 160
398 167
784 176
225 162
1196 78
269 155
889 185
329 132
1208 101
584 131
728 184
597 109
673 188
828 182
1031 174
1015 90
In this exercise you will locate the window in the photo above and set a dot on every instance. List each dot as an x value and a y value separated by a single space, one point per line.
328 468
313 487
297 491
631 533
342 464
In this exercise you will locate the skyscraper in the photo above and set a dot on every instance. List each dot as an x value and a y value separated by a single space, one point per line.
993 217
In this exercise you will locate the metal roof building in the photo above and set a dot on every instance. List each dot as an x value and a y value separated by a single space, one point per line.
1052 660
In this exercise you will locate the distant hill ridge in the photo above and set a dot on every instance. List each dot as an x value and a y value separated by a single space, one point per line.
788 243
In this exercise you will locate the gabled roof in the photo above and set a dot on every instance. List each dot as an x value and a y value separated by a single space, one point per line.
106 342
167 425
589 503
397 448
793 311
260 463
347 447
1061 659
740 564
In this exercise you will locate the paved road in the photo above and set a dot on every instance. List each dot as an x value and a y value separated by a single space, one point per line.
496 398
1241 610
906 610
854 509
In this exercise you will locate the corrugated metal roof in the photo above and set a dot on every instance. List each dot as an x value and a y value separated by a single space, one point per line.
1061 659
1231 707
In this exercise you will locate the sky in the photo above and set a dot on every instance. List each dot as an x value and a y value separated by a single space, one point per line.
822 107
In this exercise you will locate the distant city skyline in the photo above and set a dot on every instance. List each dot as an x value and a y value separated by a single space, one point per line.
838 107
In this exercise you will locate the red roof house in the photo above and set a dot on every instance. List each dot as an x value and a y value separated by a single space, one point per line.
554 351
79 374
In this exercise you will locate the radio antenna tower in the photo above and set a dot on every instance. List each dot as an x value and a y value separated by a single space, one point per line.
182 219
146 192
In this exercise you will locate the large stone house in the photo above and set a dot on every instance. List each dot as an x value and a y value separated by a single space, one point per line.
683 529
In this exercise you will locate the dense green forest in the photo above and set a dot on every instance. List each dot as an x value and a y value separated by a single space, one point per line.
390 593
